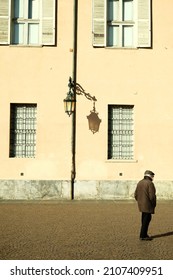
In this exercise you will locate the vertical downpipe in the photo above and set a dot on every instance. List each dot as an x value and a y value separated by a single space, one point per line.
74 77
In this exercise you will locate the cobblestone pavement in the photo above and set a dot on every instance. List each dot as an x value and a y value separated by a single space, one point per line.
81 230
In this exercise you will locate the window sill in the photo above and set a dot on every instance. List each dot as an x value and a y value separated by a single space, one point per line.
121 161
26 46
121 48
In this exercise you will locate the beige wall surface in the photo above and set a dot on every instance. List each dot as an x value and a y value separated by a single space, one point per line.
139 77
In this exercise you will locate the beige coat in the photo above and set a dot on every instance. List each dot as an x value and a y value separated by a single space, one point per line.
145 194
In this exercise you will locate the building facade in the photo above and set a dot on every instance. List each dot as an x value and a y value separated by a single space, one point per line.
124 59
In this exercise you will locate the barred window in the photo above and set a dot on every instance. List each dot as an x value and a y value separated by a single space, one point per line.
120 132
23 130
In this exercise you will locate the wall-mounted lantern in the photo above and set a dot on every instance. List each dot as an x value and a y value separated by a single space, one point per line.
69 101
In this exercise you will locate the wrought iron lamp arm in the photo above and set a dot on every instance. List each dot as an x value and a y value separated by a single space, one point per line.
80 90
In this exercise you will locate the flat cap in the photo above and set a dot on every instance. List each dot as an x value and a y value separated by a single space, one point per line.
149 173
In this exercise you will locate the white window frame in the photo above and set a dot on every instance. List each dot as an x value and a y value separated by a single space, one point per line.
26 21
142 24
47 23
120 25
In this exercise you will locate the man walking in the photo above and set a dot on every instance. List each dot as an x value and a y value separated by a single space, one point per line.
145 194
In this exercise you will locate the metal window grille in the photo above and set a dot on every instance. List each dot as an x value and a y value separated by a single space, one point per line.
23 130
120 132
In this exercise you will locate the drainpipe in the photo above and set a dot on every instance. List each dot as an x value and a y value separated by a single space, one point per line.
74 77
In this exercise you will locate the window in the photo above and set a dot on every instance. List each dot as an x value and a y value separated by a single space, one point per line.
120 132
23 130
122 23
27 22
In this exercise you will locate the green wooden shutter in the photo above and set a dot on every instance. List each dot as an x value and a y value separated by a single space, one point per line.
144 23
48 22
99 35
4 21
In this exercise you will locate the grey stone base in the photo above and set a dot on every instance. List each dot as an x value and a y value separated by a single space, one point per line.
118 190
34 189
61 190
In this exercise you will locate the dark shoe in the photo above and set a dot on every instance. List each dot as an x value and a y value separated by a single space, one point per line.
146 238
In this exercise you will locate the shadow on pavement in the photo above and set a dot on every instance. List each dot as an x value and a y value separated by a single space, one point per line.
163 234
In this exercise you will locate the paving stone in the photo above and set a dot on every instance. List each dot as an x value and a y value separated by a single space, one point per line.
82 230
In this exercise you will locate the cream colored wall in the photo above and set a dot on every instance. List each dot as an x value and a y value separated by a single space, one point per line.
141 77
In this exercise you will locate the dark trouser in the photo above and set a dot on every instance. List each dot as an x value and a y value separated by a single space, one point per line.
145 220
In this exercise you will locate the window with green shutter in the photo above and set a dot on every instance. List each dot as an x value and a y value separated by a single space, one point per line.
27 22
122 23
